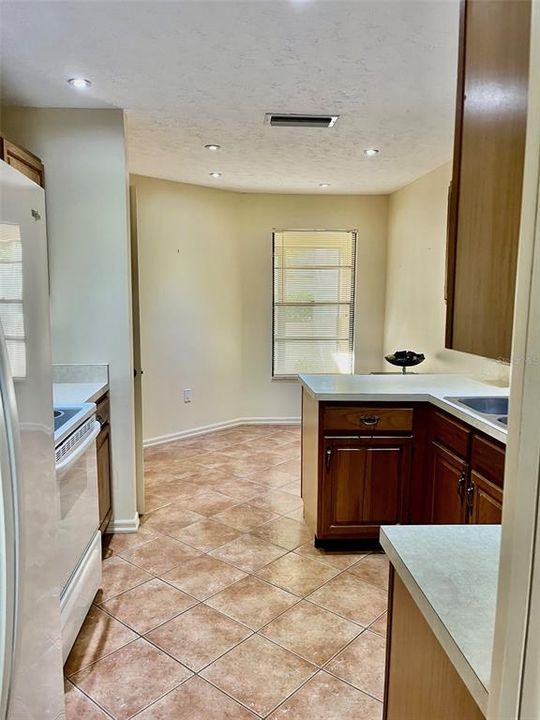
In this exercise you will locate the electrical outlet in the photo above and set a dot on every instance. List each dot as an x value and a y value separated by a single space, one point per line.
187 395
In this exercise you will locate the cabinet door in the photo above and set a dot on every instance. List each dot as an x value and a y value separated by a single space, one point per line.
448 478
364 486
22 160
485 201
484 500
104 472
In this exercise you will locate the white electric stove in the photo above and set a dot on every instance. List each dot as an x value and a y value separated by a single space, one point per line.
79 539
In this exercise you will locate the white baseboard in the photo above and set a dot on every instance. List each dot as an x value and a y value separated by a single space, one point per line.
129 525
205 429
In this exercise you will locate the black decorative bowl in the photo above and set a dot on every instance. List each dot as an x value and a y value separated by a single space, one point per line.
405 359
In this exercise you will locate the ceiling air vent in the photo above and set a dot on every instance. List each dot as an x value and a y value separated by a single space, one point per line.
304 121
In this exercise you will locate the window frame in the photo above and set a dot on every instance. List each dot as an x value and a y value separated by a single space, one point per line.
352 304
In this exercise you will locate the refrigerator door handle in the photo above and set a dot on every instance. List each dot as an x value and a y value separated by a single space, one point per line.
10 529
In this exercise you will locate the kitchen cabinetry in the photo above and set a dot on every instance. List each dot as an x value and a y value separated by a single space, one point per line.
421 681
370 464
466 475
356 462
103 449
364 484
485 196
22 160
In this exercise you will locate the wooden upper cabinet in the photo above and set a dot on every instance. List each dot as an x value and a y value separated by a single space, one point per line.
22 160
485 198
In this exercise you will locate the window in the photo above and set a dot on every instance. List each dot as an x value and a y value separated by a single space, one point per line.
313 326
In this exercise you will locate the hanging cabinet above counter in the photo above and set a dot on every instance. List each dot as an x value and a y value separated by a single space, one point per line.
485 195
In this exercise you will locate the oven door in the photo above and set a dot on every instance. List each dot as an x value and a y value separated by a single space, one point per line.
76 479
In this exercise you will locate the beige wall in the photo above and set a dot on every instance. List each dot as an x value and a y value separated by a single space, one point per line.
87 228
190 305
206 290
259 214
415 306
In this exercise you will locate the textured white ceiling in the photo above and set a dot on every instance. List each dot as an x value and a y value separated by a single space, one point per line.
195 72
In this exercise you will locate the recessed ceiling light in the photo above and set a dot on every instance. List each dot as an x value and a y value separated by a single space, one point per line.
215 174
79 83
371 152
324 185
213 147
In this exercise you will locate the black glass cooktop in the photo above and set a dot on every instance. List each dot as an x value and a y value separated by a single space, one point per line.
62 415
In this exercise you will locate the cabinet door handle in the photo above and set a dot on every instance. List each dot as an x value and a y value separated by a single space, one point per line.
369 419
461 484
328 458
470 496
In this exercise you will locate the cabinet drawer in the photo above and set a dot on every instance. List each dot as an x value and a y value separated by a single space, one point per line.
487 458
450 433
103 410
371 419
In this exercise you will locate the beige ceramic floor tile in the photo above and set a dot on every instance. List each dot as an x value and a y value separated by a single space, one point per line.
311 632
196 700
244 517
252 602
210 503
169 520
352 598
362 664
100 635
295 488
160 555
278 501
340 560
244 673
148 605
297 514
79 707
374 569
119 542
203 576
154 501
291 467
284 532
198 636
379 626
272 478
131 678
207 535
297 574
327 698
117 576
238 488
248 553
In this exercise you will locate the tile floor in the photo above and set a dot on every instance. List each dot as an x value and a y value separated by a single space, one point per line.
220 606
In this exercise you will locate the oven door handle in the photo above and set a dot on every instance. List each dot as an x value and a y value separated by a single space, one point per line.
83 447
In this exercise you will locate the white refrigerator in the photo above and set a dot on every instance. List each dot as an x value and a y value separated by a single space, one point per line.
31 686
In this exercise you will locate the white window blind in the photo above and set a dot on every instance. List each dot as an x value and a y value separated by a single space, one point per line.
313 327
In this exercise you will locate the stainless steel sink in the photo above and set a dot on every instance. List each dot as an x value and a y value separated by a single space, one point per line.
486 405
494 409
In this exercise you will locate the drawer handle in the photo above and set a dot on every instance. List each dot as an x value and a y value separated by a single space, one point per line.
369 419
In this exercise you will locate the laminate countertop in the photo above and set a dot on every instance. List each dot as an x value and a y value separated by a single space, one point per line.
76 393
451 572
437 389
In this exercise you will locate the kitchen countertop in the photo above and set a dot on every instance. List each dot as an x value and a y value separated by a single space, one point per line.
433 388
451 572
76 393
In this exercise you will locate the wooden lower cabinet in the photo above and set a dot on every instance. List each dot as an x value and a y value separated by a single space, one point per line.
103 450
429 468
449 478
365 483
485 505
421 682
